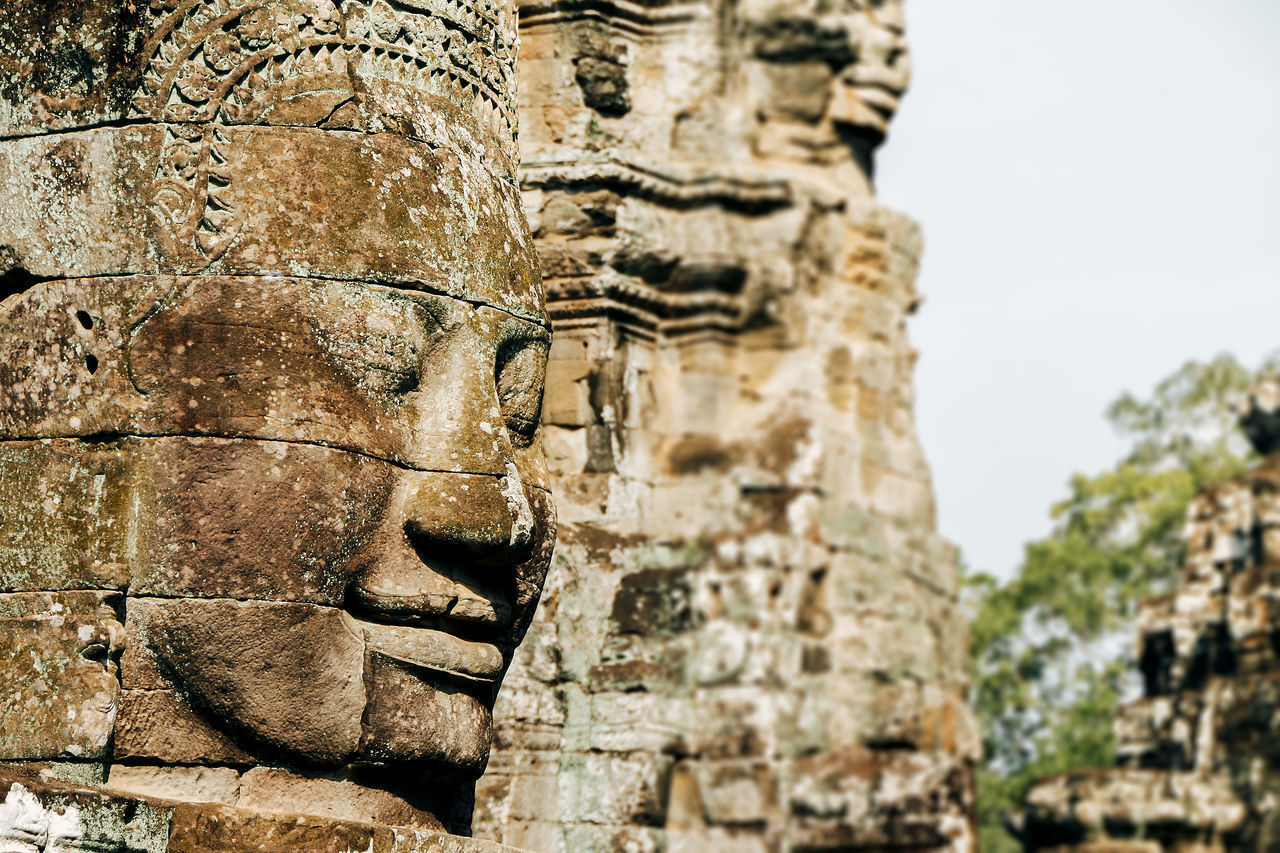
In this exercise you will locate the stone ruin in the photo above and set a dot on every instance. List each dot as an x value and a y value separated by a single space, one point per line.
1196 754
277 504
750 639
273 350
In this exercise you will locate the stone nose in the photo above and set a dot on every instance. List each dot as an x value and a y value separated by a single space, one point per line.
476 518
883 58
883 45
455 411
451 550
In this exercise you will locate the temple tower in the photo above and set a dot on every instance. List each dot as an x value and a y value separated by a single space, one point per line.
750 640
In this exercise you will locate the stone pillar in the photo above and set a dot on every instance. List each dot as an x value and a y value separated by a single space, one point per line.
272 350
751 639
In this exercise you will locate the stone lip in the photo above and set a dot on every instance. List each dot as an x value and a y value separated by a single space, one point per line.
47 814
436 651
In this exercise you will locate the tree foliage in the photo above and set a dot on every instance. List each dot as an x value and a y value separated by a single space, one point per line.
1051 647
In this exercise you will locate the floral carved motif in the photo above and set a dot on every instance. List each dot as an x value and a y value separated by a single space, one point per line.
208 58
232 62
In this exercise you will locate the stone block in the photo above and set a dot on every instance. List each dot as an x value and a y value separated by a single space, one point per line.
289 675
533 796
568 400
159 726
415 719
340 795
543 836
58 676
612 789
75 536
607 839
37 815
736 793
185 784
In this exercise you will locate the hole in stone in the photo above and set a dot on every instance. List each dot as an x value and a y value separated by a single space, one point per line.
91 362
86 322
15 281
96 652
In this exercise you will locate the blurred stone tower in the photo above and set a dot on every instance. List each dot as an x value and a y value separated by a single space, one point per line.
1199 764
750 641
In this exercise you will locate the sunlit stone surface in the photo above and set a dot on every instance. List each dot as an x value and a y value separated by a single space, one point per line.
750 640
273 343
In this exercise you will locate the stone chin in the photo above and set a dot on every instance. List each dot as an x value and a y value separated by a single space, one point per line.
304 685
868 92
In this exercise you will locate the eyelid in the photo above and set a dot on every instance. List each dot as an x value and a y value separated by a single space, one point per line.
399 330
520 379
510 327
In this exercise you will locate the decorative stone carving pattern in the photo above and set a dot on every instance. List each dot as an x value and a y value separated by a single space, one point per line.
218 60
231 62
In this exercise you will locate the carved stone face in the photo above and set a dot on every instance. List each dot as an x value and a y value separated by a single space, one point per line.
867 91
339 597
336 510
271 369
862 43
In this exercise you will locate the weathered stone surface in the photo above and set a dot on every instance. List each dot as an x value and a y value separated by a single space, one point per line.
75 532
272 356
287 676
369 207
749 581
418 715
42 816
59 687
299 360
161 726
194 784
354 64
344 795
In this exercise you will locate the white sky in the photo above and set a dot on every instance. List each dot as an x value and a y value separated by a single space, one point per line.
1099 183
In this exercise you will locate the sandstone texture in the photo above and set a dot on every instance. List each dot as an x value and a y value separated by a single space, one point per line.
42 815
1196 754
273 344
281 415
750 640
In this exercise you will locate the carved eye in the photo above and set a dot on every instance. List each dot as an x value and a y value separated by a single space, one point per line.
389 370
521 377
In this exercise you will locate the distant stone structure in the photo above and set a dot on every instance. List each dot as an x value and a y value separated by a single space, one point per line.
272 349
750 641
1198 763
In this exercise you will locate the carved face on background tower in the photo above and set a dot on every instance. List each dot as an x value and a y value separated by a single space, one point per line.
863 42
868 91
271 366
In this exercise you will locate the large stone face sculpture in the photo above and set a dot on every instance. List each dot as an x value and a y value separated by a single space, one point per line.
272 351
